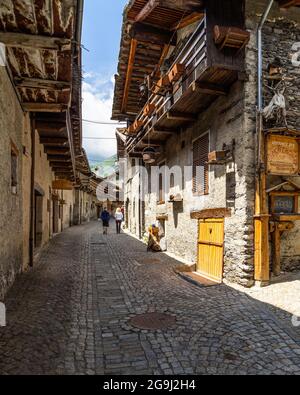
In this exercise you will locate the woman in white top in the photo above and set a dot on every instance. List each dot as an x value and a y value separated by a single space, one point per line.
119 219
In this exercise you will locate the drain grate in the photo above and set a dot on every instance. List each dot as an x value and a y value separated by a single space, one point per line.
153 321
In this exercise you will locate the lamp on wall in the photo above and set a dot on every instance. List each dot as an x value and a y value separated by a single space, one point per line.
149 155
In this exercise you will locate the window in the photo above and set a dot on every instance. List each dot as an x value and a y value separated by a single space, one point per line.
172 181
200 166
14 168
162 183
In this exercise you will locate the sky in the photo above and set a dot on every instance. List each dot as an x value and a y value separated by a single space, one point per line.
101 42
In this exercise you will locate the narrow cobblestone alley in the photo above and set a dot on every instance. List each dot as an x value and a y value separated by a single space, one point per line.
70 316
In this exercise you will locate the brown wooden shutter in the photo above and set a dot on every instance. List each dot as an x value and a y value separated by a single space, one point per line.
200 166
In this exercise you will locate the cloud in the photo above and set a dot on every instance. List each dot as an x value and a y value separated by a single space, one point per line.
97 103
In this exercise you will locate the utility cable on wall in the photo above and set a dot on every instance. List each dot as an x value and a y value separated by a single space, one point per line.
104 123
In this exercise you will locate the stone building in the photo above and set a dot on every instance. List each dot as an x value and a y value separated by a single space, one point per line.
46 184
187 85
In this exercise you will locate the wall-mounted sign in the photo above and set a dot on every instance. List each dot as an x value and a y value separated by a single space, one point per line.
284 205
282 155
62 185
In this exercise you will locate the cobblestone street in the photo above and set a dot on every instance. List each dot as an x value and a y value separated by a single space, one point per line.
70 316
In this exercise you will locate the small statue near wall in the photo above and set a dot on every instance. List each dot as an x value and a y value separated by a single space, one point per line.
277 83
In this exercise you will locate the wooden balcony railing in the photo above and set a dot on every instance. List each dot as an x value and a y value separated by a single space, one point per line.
194 68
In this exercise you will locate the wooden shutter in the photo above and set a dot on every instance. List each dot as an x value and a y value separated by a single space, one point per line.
200 166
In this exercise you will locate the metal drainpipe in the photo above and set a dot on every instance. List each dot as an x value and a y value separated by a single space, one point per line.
260 83
260 56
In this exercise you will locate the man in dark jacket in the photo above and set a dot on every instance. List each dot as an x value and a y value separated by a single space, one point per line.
105 216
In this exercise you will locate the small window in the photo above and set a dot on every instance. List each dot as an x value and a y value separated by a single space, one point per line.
162 184
14 168
172 180
200 166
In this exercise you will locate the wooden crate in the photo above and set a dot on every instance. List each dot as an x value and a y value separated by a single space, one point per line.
216 156
176 72
162 84
135 127
149 109
231 37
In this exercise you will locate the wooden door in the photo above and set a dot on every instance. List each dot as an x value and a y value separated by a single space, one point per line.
211 248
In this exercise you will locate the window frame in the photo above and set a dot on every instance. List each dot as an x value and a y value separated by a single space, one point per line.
207 189
14 176
161 196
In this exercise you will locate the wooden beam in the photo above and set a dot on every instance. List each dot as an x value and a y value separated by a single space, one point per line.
209 88
44 107
71 142
188 20
211 213
49 126
64 174
61 170
288 3
62 163
22 40
65 185
184 5
163 56
180 116
147 10
150 34
56 151
150 143
164 130
37 83
129 74
136 155
60 167
51 141
59 158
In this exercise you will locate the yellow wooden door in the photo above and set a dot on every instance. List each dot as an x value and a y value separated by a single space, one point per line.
211 248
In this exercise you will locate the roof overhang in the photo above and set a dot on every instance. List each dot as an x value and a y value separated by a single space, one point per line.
42 41
148 33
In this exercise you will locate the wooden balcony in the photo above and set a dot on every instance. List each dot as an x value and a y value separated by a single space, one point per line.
202 72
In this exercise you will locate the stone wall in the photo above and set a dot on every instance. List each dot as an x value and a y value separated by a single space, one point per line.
43 183
84 207
12 124
281 31
26 182
230 118
132 189
229 187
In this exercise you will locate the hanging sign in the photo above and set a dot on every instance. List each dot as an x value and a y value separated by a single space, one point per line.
282 155
62 185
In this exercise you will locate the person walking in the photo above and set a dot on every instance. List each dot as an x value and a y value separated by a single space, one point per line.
119 219
105 216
